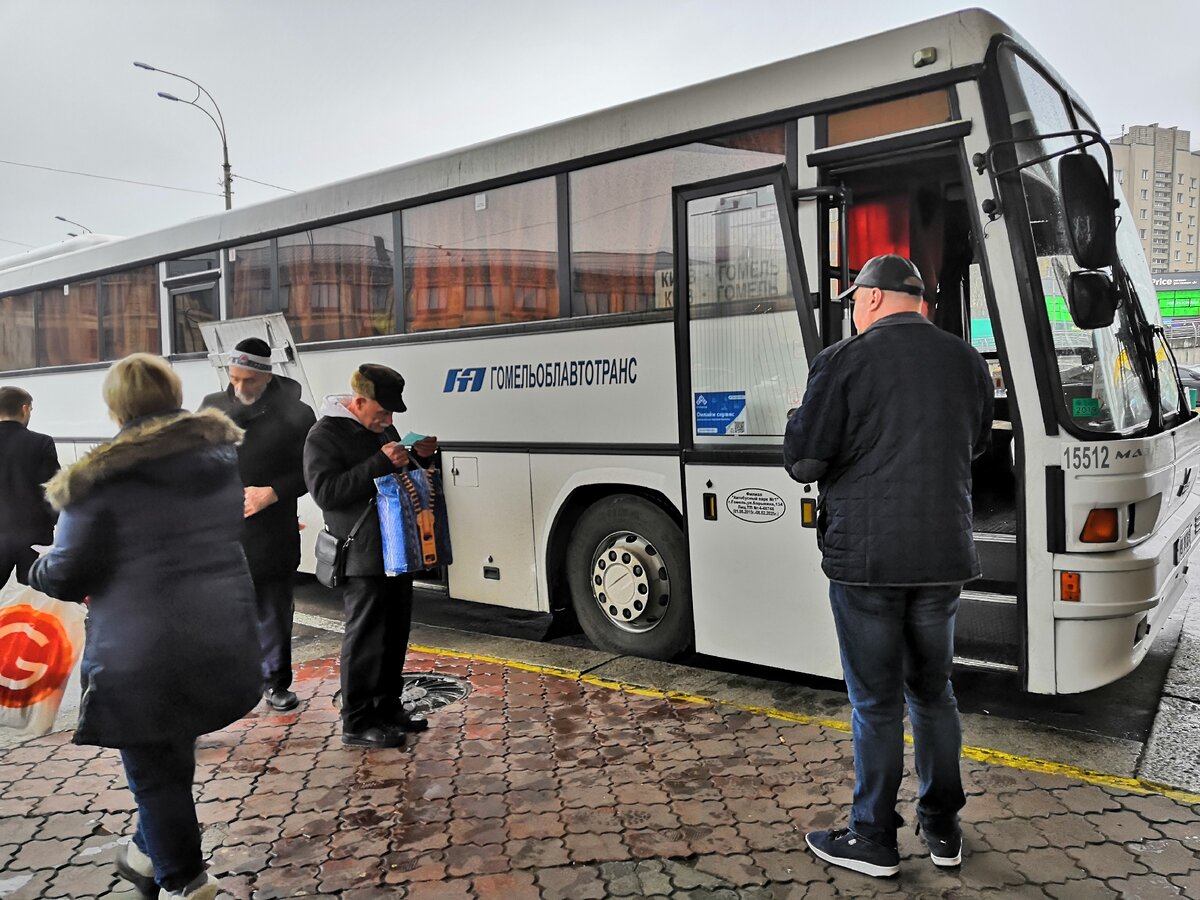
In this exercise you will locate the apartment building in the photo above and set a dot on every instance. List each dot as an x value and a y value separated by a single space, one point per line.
1160 175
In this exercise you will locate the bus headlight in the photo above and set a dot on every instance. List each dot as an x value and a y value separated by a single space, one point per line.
1100 527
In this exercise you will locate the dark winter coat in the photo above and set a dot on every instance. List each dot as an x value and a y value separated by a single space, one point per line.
27 461
271 455
891 420
342 459
149 532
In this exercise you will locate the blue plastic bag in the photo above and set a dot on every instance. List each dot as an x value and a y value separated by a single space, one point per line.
412 520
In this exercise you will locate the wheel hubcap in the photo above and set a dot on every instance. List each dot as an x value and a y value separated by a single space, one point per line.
630 583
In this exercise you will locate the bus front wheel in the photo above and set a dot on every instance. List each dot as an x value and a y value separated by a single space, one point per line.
627 568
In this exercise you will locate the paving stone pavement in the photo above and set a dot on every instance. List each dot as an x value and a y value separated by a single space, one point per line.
544 786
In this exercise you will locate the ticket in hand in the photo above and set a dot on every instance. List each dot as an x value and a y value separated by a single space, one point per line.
411 438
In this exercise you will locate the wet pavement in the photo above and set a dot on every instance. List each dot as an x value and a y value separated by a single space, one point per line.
549 783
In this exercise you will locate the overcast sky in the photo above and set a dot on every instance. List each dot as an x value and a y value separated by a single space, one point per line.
314 91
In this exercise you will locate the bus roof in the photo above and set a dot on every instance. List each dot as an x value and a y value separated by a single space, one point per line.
961 39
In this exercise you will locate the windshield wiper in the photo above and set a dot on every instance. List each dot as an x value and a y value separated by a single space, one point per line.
1143 334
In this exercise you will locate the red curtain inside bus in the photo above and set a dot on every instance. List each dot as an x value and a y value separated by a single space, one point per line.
876 227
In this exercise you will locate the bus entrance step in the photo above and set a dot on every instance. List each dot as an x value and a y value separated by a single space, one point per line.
987 631
997 555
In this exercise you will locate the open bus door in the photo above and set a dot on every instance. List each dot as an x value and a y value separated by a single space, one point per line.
913 203
745 336
220 337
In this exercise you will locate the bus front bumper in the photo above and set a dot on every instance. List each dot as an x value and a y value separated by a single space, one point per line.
1126 596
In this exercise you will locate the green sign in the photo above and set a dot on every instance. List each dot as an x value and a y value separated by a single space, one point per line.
1085 407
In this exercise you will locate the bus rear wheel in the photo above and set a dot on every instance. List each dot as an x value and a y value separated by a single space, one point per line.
627 569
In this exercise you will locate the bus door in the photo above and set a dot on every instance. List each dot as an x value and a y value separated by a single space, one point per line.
915 203
745 336
222 336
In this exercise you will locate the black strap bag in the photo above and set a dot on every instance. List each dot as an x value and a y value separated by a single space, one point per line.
331 553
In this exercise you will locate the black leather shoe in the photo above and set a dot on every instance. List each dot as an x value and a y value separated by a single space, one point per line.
373 737
405 722
281 699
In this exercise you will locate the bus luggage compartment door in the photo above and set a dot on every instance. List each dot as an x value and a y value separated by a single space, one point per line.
758 592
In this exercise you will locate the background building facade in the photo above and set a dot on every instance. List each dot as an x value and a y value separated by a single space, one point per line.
1160 175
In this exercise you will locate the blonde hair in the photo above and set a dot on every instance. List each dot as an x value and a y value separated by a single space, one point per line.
139 385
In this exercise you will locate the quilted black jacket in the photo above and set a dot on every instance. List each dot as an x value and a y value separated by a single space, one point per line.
890 422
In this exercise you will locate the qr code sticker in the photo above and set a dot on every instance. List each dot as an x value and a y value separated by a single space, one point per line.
737 428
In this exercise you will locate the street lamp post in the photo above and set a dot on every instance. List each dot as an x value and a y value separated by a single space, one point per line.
218 121
76 224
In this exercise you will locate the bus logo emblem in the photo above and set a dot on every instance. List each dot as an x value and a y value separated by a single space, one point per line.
462 380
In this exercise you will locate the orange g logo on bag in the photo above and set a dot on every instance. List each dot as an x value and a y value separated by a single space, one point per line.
36 656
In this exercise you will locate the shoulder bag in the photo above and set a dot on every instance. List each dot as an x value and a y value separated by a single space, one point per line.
331 553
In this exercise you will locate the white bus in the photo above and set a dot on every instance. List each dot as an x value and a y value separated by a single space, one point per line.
606 321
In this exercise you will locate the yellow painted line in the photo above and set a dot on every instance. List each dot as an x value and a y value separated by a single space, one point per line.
979 754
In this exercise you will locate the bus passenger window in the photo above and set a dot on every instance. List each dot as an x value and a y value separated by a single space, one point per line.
17 347
622 256
484 259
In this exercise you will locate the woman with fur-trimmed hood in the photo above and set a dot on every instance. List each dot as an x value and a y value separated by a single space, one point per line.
150 532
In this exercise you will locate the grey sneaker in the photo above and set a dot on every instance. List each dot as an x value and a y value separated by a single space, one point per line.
202 887
135 867
843 847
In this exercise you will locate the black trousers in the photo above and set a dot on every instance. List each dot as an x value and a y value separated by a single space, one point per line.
14 555
378 620
275 606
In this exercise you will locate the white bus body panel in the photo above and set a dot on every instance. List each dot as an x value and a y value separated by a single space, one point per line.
758 591
637 408
1127 594
491 519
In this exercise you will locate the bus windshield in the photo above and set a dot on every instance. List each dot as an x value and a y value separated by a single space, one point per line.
1101 386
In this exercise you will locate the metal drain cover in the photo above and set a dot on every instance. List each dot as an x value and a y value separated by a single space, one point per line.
425 693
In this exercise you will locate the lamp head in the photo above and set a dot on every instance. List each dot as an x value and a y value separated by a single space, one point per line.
167 96
146 66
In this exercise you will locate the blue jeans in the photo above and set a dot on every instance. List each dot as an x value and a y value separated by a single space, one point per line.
897 644
160 777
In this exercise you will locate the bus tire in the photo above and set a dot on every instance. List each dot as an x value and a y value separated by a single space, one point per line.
627 568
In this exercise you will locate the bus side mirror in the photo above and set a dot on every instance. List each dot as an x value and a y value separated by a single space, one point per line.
1088 203
1091 300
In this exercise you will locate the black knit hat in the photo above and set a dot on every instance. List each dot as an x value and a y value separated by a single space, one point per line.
379 383
888 273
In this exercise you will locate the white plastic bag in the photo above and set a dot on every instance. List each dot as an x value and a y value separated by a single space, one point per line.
41 640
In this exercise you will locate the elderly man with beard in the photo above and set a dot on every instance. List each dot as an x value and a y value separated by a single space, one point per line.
271 459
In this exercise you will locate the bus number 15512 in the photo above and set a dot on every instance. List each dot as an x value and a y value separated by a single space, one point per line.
1084 456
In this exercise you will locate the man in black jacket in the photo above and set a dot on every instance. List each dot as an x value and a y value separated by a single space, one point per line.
27 461
271 459
350 446
890 422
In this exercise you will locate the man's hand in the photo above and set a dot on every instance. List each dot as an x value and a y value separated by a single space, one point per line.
395 452
256 499
426 446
